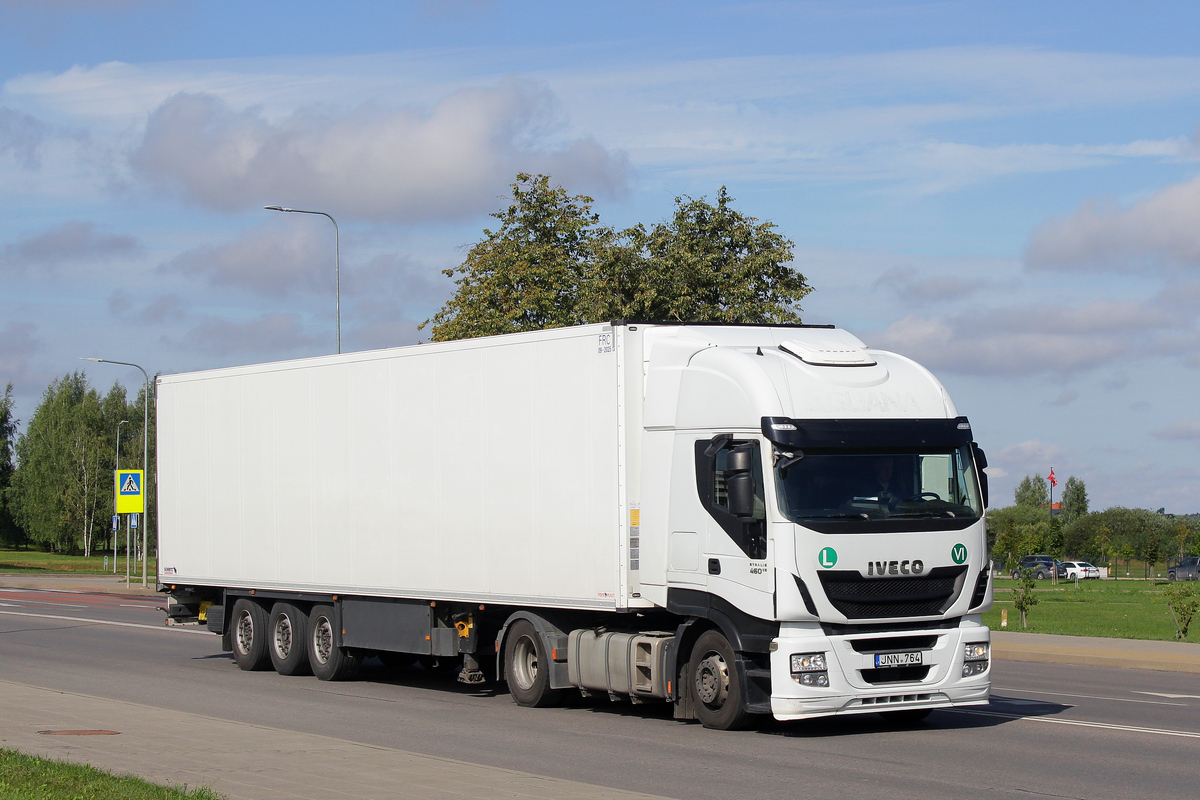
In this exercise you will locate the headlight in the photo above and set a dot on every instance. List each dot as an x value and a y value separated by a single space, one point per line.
975 651
808 662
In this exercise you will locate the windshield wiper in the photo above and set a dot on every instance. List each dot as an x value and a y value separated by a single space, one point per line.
928 513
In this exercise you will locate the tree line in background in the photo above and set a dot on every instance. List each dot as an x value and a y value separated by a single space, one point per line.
56 479
1103 537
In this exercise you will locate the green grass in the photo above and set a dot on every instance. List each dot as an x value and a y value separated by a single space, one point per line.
36 561
25 777
1124 609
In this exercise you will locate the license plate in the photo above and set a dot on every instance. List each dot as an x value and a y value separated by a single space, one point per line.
898 659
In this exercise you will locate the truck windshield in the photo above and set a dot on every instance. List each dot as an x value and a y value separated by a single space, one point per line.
881 485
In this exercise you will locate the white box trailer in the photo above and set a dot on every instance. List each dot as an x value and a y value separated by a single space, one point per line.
661 512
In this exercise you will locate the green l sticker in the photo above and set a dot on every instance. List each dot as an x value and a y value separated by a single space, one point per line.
827 557
959 553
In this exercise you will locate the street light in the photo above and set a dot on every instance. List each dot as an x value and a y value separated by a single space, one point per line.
337 264
145 454
119 424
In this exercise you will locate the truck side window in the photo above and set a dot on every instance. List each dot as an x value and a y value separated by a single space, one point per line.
712 476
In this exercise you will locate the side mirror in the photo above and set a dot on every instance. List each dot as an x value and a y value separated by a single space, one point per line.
739 481
981 463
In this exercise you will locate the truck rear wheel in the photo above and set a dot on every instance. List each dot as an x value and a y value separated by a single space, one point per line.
288 631
717 691
250 635
328 661
527 667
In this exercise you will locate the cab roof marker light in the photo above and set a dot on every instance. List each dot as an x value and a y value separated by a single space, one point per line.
964 426
783 426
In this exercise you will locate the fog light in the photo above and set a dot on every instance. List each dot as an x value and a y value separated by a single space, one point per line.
974 668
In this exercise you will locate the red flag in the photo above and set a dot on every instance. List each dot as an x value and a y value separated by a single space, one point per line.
1050 478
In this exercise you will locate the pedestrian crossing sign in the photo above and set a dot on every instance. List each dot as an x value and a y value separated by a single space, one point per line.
131 497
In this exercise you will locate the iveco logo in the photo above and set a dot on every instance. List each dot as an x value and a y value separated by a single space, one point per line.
895 568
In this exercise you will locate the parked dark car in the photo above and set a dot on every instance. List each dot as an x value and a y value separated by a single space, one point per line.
1188 569
1041 566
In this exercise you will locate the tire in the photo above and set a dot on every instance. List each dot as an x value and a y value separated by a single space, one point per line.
328 661
288 631
527 667
717 692
250 636
1041 576
1170 576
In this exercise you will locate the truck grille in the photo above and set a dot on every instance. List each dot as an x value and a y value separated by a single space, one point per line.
877 598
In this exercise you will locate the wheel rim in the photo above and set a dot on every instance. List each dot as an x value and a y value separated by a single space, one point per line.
245 632
712 680
525 662
322 640
283 636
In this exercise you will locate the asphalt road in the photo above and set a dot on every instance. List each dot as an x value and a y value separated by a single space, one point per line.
1051 731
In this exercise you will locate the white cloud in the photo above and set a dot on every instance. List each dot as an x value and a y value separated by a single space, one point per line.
277 334
396 165
1180 430
1028 339
18 346
1162 231
274 259
21 137
1064 398
914 288
1033 452
72 242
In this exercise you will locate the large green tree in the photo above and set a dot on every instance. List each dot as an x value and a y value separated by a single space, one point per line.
551 263
62 490
1031 491
10 533
1074 500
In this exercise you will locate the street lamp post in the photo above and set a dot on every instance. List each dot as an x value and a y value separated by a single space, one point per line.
337 264
145 455
114 534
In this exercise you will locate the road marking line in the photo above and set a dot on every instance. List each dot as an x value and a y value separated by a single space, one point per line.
108 622
1080 723
1171 696
1098 697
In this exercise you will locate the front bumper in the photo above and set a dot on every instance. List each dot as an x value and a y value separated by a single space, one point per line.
857 687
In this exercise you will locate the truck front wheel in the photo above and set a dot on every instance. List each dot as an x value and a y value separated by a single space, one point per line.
328 661
250 635
527 667
717 691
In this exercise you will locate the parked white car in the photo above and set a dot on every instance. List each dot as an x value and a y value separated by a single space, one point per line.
1081 569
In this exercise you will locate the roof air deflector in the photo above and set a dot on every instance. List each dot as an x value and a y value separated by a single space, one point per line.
828 354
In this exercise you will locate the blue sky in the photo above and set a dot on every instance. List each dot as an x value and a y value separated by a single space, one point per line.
1007 192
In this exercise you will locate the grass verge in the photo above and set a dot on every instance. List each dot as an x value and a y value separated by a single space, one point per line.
33 561
24 777
1124 609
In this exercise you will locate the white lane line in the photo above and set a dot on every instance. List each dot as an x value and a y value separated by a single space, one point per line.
1096 697
1080 723
172 628
1171 696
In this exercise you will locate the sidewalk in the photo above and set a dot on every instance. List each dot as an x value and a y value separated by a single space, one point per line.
253 762
1089 651
109 584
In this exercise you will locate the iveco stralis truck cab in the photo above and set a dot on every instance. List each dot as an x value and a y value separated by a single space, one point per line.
826 502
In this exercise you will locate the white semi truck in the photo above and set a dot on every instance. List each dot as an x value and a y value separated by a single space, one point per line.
740 520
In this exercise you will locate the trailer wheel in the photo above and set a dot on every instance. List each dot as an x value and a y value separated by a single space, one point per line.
288 632
717 691
328 661
527 667
250 635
